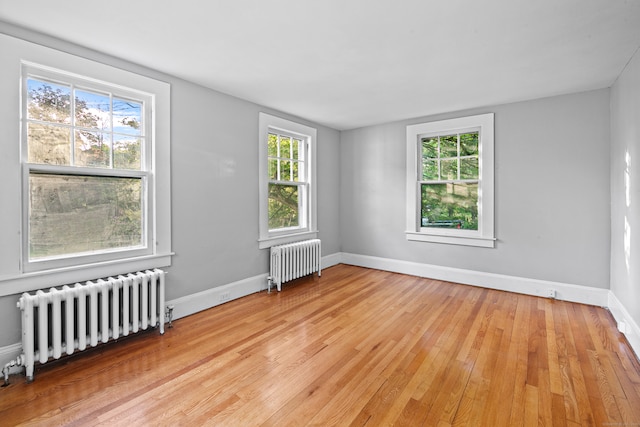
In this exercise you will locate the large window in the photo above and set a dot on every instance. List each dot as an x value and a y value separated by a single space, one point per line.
85 169
450 181
287 181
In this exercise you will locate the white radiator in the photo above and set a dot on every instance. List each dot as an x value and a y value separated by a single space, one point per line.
294 260
75 317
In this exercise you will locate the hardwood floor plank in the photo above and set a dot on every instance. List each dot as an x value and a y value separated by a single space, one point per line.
520 352
564 352
502 386
353 347
592 398
531 407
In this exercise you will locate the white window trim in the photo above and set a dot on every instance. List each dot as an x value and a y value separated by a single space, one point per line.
14 278
267 122
484 236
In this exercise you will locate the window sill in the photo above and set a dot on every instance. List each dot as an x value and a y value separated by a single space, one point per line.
287 238
482 242
16 284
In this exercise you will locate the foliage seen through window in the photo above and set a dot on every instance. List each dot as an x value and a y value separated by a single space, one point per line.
449 181
69 127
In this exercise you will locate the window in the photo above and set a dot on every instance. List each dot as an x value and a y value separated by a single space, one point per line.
87 176
85 169
450 181
287 181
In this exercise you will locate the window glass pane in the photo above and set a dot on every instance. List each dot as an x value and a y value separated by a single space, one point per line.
449 146
430 170
294 171
469 168
285 170
272 145
126 152
93 149
93 110
296 148
127 116
449 169
285 147
450 205
469 144
49 144
430 147
273 169
71 214
49 102
283 206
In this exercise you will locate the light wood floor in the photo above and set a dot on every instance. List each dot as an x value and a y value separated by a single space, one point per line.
354 347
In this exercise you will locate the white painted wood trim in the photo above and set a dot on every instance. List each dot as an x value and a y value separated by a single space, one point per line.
521 285
194 303
266 238
626 325
485 235
331 260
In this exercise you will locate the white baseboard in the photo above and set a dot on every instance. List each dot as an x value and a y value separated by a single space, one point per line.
626 324
331 260
521 285
194 303
190 304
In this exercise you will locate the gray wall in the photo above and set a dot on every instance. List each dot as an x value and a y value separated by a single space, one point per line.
551 192
625 188
214 179
215 190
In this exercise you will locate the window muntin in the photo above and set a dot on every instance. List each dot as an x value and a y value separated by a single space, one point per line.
450 181
86 185
287 181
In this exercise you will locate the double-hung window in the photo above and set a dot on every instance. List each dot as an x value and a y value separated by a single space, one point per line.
87 185
287 181
86 162
450 181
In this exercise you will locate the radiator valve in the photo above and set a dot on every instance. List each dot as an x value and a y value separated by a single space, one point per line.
169 314
7 367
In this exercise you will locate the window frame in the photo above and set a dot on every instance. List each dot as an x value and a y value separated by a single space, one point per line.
15 276
145 173
307 213
484 236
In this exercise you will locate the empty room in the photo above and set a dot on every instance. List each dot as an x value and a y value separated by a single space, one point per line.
328 212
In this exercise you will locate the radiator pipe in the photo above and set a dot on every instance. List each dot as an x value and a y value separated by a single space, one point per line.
5 370
169 314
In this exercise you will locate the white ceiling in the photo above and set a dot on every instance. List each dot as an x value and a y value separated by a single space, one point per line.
352 63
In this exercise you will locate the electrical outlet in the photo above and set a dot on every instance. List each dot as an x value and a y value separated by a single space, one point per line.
622 327
551 293
225 296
